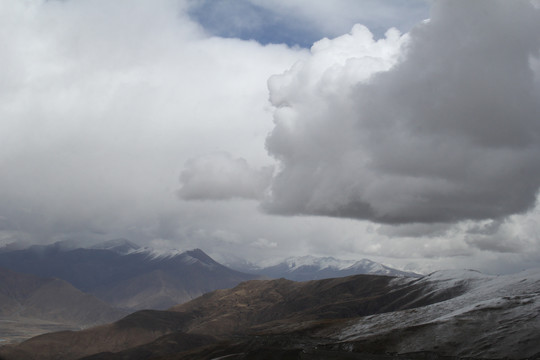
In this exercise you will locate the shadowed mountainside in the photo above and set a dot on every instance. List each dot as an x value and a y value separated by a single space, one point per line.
132 280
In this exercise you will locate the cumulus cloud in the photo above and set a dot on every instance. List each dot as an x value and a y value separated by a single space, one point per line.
219 176
103 102
440 125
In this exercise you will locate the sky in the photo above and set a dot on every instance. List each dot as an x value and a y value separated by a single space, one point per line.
406 132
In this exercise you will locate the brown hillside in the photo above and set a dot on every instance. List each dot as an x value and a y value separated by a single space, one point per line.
252 307
27 300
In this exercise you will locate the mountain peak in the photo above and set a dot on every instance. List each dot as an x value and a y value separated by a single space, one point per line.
202 257
127 276
199 254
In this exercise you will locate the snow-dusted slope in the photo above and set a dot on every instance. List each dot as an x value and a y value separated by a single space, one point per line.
495 316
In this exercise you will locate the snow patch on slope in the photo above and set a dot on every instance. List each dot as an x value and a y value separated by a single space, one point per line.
364 266
295 263
189 257
512 297
159 254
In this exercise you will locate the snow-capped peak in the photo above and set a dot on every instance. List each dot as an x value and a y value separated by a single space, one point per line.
158 253
320 263
309 267
188 257
364 266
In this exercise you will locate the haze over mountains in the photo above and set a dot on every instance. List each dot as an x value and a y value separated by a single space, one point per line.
30 305
196 308
124 275
447 313
73 287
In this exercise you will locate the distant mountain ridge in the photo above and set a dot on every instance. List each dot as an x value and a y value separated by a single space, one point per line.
120 246
24 295
308 267
123 274
30 304
126 275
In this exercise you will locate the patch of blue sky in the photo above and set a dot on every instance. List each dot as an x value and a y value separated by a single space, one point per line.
247 20
244 20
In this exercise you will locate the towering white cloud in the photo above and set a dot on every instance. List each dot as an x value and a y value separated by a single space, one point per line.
439 126
102 102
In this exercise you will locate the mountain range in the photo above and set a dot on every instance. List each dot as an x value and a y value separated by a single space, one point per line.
444 315
124 275
308 267
66 286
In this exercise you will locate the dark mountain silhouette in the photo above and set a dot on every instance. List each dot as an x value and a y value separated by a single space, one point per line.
445 315
123 275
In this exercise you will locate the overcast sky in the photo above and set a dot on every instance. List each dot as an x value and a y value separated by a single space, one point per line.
407 132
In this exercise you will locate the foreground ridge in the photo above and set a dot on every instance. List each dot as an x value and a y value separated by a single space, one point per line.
444 315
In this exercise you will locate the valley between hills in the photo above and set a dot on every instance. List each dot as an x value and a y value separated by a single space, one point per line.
443 315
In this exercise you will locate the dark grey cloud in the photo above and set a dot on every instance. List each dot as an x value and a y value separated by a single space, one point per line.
451 132
488 228
497 244
516 234
498 237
